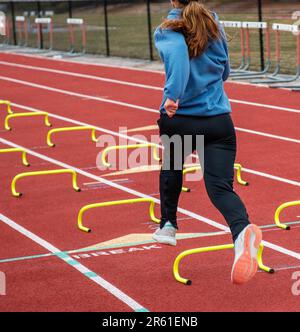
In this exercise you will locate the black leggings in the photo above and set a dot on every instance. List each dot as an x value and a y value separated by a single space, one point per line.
218 166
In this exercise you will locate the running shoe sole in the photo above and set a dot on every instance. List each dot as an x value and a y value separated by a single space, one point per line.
246 266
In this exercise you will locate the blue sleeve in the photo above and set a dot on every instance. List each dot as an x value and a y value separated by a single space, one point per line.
174 53
227 64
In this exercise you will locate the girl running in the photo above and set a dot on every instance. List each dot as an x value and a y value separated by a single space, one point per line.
192 44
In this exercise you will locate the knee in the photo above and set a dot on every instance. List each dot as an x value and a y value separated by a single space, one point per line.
218 188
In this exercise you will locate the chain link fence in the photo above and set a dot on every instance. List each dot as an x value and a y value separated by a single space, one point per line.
125 28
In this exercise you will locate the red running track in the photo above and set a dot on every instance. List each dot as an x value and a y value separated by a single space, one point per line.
49 206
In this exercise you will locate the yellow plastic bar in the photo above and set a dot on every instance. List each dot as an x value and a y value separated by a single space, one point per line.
238 168
190 170
8 104
51 172
280 209
210 249
260 261
129 147
11 150
22 115
59 130
114 203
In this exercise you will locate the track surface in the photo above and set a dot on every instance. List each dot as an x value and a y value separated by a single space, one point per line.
124 270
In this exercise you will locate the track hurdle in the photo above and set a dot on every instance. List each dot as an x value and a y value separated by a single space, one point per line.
72 23
244 65
22 29
282 207
51 172
256 26
40 23
23 115
69 129
115 203
237 167
5 24
188 282
14 150
275 78
129 147
8 106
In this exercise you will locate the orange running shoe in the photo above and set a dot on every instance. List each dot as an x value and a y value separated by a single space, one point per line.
246 247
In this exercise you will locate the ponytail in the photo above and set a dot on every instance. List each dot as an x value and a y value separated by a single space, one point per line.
197 24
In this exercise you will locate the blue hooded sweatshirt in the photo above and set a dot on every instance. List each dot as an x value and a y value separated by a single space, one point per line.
197 83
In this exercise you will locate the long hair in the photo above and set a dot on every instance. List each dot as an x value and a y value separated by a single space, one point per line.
197 24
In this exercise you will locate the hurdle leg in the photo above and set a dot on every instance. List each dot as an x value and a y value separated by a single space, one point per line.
238 168
24 159
8 105
260 261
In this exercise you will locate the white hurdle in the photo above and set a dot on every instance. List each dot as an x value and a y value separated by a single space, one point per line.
40 22
72 22
22 29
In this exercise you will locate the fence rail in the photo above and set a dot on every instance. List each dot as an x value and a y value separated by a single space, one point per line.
125 27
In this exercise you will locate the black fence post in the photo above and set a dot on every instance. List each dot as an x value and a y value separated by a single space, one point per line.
13 18
261 36
39 9
106 28
150 30
70 9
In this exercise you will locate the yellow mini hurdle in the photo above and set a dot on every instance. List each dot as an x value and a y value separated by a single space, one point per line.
114 203
51 172
68 129
210 249
8 104
278 212
237 167
23 115
129 147
13 150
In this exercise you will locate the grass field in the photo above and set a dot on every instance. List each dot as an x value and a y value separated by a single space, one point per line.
128 29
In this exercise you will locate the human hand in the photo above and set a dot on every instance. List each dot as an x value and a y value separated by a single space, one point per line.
171 107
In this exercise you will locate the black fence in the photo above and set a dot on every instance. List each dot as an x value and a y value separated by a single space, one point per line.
125 28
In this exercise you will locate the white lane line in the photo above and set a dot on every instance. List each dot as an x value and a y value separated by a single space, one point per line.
110 101
138 85
139 194
75 94
75 264
72 61
272 177
254 132
91 77
279 108
114 133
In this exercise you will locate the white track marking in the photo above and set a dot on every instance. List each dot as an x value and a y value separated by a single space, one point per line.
138 85
139 194
272 177
145 70
70 61
92 77
254 132
114 133
78 266
83 96
75 94
279 108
